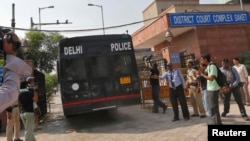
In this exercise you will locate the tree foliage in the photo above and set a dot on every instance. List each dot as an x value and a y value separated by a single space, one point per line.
245 59
51 82
43 49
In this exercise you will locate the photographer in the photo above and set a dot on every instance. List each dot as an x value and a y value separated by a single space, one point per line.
147 60
13 69
154 81
242 71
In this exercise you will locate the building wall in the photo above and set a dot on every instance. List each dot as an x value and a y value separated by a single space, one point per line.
186 42
224 41
149 13
219 40
158 6
156 28
208 7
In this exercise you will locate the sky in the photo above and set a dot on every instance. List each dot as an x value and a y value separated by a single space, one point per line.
81 16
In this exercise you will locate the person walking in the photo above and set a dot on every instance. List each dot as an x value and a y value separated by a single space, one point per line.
242 71
13 121
233 80
212 88
155 86
176 83
195 95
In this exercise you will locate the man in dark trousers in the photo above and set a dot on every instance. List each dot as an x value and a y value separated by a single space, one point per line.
154 81
176 83
233 80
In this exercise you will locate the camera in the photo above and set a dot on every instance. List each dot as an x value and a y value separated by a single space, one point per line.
2 33
194 63
147 58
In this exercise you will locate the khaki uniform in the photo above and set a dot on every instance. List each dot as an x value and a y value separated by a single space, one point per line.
195 96
14 121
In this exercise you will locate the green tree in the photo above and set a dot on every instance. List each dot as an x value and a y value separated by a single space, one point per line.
51 83
1 62
245 59
43 49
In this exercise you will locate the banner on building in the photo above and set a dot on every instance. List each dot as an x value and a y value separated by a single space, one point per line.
211 18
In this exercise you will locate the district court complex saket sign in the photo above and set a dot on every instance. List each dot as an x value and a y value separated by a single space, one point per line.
211 18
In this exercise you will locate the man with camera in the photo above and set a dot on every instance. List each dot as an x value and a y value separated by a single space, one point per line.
154 81
13 69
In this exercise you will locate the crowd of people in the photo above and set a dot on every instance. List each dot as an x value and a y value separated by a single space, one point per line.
203 89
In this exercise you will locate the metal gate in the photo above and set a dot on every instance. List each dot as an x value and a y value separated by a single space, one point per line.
184 59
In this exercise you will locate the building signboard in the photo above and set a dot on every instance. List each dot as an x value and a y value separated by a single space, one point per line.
211 18
175 58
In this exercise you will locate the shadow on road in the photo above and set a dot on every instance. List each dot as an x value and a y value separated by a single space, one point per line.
129 119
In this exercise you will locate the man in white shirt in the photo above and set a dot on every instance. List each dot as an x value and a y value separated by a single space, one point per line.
242 71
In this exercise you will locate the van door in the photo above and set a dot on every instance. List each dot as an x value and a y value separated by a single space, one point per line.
125 75
101 85
74 82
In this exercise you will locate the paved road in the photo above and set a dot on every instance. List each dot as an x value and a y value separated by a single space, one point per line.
129 124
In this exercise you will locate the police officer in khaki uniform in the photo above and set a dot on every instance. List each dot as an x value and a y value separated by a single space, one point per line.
195 95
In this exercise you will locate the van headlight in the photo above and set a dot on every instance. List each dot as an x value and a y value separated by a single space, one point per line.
75 86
